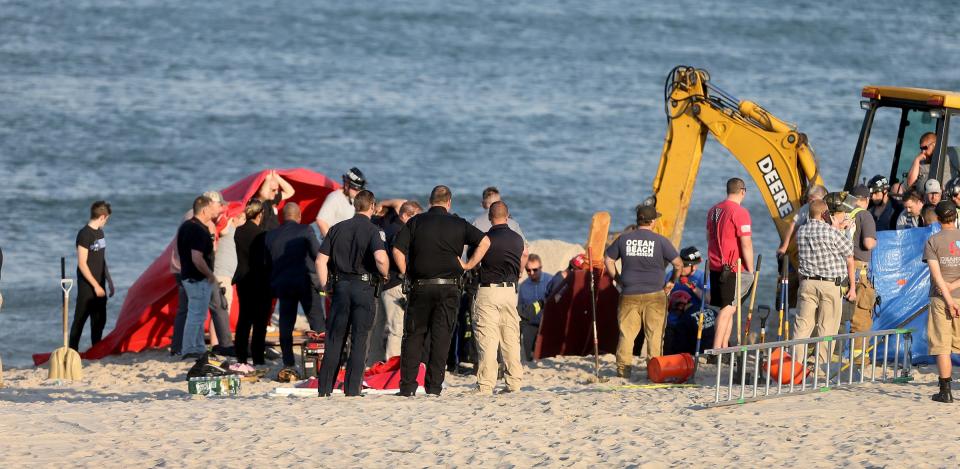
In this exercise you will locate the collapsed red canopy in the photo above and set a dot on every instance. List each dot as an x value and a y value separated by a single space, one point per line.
146 318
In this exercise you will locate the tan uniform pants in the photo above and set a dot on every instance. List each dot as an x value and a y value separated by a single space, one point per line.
862 319
648 312
393 315
818 313
497 326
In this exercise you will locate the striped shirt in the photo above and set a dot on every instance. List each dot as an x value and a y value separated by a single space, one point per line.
823 250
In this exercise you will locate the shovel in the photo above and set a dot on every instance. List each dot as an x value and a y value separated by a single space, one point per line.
593 317
65 362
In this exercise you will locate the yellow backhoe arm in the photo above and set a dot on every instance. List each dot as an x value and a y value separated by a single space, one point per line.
776 156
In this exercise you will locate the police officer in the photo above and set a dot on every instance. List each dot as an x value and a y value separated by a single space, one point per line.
427 250
496 318
350 257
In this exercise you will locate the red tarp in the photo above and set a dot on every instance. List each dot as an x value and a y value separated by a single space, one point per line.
565 328
146 318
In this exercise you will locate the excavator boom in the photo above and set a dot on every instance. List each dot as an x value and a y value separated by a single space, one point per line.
777 157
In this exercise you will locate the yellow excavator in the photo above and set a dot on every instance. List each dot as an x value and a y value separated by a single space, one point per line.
779 158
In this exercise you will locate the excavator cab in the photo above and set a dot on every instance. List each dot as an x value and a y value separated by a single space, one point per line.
895 121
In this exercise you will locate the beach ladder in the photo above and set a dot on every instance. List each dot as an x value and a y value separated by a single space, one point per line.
775 372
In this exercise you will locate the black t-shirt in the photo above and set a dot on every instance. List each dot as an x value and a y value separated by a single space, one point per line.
96 246
251 253
390 232
291 251
433 241
885 216
270 219
501 263
193 235
351 244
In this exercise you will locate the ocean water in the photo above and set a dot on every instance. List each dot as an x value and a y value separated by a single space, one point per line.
558 103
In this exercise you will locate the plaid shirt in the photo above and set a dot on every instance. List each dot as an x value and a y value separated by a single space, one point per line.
823 250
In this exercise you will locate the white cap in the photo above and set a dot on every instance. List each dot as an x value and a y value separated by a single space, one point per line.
932 186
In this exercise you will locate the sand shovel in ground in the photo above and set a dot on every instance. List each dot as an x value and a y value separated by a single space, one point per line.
65 362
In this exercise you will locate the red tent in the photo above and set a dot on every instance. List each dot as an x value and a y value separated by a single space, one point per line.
146 318
565 328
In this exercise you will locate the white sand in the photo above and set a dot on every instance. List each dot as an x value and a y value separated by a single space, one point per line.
134 411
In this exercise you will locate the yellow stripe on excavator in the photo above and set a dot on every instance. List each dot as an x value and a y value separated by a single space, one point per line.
777 157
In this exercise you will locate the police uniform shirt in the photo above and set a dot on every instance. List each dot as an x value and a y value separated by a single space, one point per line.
501 263
433 241
351 244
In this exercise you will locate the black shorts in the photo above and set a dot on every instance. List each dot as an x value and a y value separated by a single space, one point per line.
724 293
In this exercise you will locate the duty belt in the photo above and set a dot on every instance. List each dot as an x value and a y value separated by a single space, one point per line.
501 284
437 281
360 277
835 281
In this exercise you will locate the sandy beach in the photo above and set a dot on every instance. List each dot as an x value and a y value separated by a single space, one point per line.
134 411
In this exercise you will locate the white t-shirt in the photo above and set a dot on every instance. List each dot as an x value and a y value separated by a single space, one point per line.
336 208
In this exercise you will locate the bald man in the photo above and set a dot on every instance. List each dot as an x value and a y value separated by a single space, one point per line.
291 248
920 169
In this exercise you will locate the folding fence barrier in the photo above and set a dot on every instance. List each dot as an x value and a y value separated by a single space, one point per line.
763 368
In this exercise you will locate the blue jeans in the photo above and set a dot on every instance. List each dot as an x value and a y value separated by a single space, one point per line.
198 300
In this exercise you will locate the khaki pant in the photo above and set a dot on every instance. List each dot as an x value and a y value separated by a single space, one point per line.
818 313
393 317
497 325
943 331
862 319
648 312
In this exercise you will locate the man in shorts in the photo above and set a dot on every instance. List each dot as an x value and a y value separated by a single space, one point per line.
728 239
942 255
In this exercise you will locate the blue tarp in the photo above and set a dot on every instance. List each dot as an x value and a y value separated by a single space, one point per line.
902 281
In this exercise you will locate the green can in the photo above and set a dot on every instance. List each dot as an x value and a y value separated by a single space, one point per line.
215 385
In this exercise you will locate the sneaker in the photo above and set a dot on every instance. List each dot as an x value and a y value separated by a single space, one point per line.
224 351
405 394
191 356
508 391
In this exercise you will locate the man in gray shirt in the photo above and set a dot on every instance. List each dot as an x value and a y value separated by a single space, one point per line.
864 240
482 222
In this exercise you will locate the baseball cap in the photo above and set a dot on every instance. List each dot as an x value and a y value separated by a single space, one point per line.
214 196
354 178
945 208
931 186
860 191
690 255
878 183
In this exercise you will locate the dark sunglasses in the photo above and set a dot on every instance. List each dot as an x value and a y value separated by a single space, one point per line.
532 271
924 147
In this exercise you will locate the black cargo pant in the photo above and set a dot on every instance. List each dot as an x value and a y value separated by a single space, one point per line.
255 302
353 311
89 305
430 319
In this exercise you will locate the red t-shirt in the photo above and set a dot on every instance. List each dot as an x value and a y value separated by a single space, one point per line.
726 223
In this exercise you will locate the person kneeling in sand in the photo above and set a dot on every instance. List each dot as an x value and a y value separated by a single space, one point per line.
643 298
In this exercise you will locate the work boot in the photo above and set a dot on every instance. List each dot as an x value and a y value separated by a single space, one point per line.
623 371
945 395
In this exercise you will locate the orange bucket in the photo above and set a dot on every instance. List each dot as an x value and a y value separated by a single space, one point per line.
774 364
670 368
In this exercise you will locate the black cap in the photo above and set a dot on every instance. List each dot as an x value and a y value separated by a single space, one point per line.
945 208
690 255
354 178
878 183
860 191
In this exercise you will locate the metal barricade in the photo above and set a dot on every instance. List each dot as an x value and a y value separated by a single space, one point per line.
846 353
